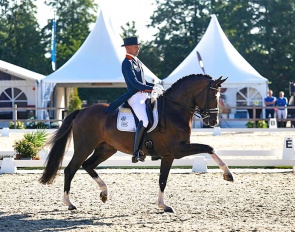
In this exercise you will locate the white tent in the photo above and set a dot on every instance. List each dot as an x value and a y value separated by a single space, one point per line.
218 57
98 61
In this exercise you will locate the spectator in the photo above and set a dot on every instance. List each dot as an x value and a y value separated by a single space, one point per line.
292 111
223 112
270 101
282 112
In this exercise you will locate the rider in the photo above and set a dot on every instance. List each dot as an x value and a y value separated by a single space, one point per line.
138 89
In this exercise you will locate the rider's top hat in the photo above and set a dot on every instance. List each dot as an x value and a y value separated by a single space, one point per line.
130 41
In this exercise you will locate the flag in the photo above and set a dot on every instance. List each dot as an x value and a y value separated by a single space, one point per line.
53 44
201 62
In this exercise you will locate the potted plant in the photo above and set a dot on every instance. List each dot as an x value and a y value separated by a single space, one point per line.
19 125
30 145
259 124
25 149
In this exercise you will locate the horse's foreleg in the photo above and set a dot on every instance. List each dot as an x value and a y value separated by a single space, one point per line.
185 149
226 172
166 164
101 153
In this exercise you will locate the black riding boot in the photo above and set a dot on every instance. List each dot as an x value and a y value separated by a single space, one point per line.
137 153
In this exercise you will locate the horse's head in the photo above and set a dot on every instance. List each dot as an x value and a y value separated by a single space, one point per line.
207 99
198 93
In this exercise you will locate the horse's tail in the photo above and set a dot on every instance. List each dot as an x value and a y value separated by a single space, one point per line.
58 141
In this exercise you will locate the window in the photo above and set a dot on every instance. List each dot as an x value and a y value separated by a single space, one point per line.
249 96
12 96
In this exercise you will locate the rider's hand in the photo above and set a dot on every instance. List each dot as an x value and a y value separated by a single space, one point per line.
157 90
159 86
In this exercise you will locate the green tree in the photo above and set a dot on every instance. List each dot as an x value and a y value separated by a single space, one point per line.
262 32
75 102
274 51
73 20
20 37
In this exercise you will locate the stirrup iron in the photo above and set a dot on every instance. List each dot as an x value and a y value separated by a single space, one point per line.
138 156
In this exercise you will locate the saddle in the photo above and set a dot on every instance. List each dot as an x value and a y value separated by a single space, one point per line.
127 120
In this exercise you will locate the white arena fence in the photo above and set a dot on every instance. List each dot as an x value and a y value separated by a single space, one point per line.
198 163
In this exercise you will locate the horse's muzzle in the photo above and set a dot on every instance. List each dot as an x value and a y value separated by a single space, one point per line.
212 120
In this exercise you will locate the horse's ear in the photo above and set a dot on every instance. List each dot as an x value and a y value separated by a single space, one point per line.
221 81
218 80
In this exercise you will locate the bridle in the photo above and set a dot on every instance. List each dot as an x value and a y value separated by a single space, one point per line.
204 112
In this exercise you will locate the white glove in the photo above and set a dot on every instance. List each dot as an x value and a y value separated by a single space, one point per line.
159 86
157 90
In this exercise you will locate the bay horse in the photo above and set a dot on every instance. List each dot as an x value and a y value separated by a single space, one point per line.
95 133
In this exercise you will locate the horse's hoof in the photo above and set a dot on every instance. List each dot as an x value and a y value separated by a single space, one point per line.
228 177
141 156
103 197
72 207
169 210
134 159
141 159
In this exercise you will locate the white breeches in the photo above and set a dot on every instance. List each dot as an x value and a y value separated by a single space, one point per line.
282 114
137 102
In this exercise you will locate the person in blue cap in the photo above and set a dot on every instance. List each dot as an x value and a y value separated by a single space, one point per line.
138 91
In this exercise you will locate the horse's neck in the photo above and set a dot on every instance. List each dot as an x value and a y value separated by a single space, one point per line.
177 105
183 98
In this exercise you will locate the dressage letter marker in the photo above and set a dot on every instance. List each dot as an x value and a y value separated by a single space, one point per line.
8 166
216 131
200 165
288 152
5 132
272 123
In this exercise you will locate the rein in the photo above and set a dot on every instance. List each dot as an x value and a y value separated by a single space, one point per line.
189 109
194 111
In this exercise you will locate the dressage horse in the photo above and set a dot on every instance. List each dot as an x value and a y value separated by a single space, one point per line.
96 137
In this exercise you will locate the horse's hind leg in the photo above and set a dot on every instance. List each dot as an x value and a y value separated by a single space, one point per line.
101 153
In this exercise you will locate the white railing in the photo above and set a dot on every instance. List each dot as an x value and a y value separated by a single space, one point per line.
256 111
251 158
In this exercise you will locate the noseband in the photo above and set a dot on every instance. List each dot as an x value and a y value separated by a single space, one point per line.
206 111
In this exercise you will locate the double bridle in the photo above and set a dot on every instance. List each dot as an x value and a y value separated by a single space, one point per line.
206 111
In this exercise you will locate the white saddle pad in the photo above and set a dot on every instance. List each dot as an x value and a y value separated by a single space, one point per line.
126 122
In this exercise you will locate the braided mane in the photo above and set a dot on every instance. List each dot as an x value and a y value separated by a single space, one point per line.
199 76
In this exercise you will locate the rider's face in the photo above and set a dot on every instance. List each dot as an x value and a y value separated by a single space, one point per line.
133 49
